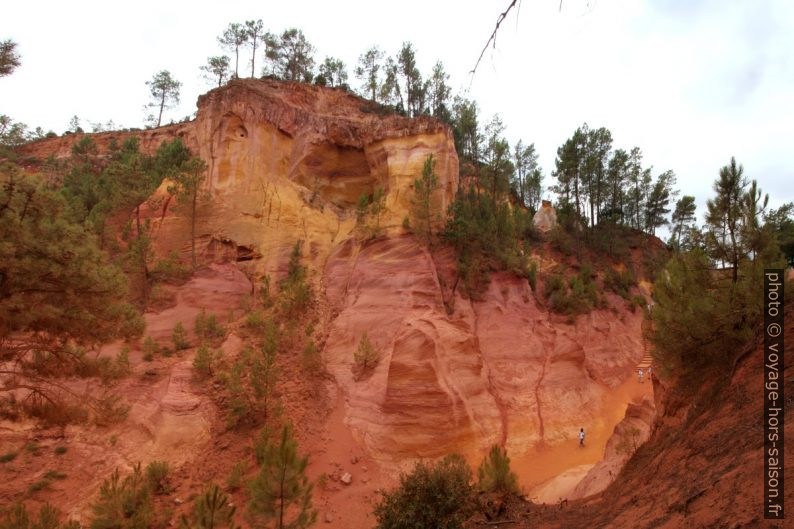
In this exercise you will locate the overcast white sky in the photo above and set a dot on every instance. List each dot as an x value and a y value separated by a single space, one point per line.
690 82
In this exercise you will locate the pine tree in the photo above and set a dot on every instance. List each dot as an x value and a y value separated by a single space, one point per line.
333 72
421 202
216 67
658 201
368 71
9 58
124 504
494 474
724 216
527 184
164 91
58 290
290 56
234 37
253 30
187 174
438 92
683 216
210 511
281 489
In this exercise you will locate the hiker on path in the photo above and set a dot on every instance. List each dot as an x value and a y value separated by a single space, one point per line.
639 375
650 369
581 437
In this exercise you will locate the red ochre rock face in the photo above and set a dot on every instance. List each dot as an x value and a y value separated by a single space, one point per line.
499 370
287 162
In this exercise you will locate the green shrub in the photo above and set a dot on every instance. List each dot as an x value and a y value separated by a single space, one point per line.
205 361
295 292
124 504
179 337
532 275
17 517
157 477
171 269
149 348
494 474
365 359
310 357
578 296
619 282
208 327
211 510
251 401
39 485
55 474
110 369
265 295
235 478
256 321
432 495
60 450
8 456
110 409
638 302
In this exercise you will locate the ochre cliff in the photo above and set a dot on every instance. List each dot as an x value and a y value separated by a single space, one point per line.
287 162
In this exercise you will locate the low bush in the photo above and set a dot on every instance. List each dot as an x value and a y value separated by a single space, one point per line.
208 327
206 361
532 275
110 409
638 302
179 337
211 510
365 358
157 477
619 282
39 485
235 478
578 296
149 348
124 503
17 517
310 357
171 269
295 294
249 385
431 495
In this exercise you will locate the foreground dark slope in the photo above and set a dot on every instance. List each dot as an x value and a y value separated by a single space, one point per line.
703 466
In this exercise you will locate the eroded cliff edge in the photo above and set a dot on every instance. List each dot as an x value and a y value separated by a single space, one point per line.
287 162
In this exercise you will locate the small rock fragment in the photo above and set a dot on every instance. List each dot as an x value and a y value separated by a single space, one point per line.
347 479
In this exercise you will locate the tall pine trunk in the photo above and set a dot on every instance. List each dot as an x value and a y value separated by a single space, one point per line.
162 104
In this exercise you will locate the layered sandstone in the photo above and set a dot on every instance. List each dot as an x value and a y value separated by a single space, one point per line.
502 369
287 162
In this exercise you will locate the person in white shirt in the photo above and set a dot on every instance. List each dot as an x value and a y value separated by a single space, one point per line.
639 375
581 437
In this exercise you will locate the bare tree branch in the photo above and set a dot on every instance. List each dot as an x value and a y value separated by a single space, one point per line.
492 38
